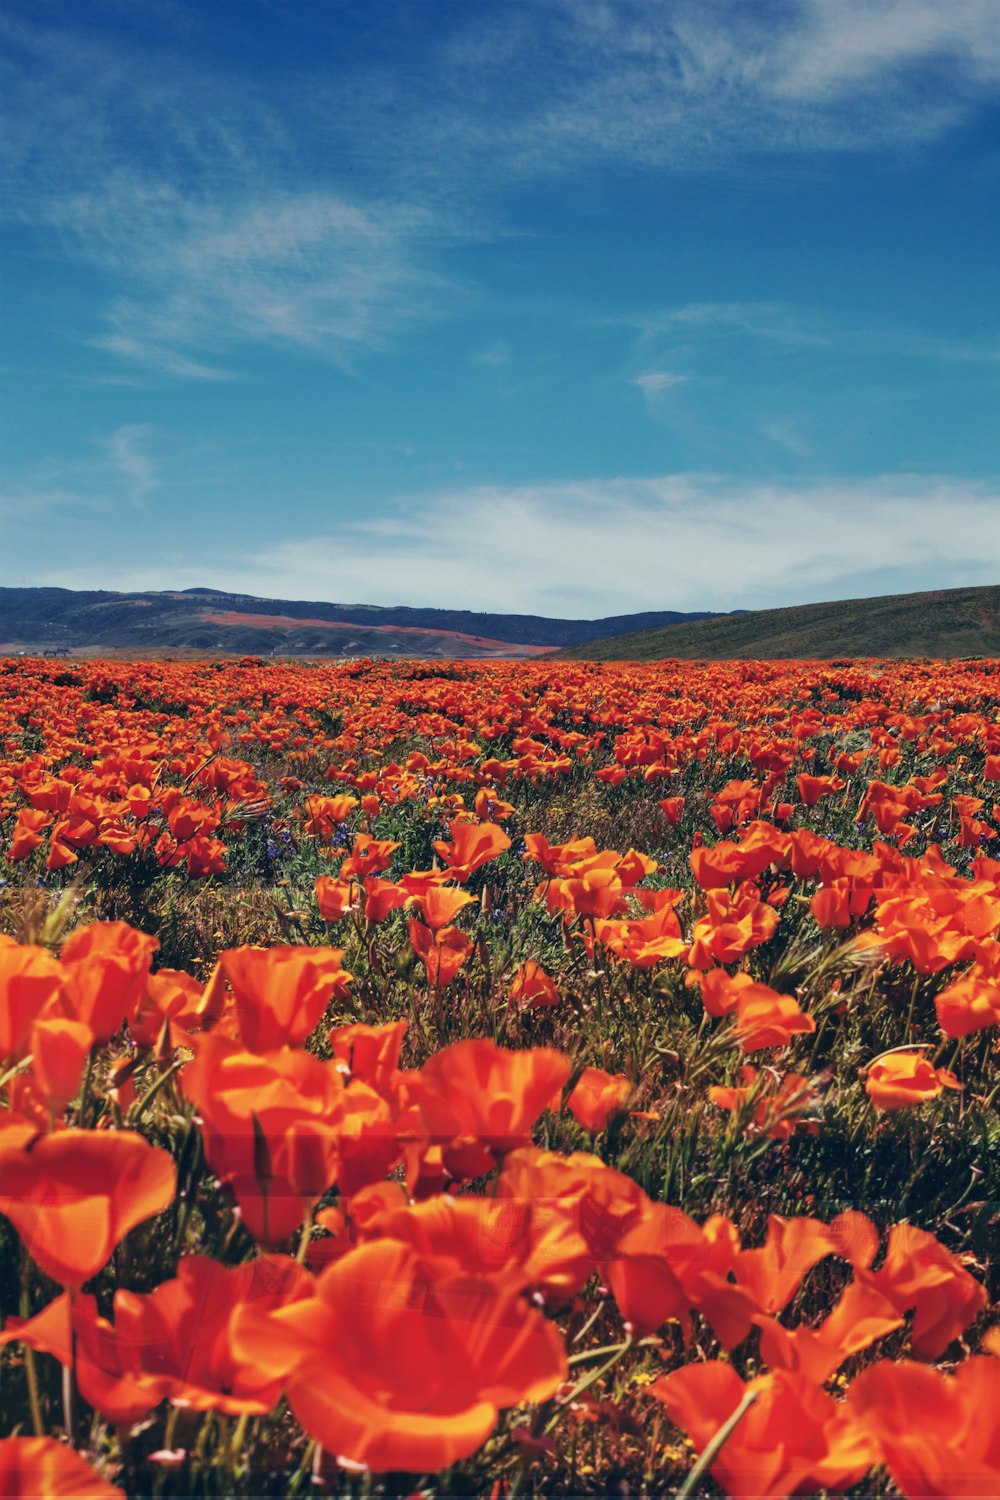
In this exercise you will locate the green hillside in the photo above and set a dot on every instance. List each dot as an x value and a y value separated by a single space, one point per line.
944 623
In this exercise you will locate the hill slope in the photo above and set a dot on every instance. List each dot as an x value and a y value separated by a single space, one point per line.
944 623
200 620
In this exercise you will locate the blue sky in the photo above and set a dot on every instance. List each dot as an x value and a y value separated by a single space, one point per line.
560 306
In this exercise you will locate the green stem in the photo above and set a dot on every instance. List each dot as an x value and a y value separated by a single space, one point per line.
589 1380
141 1105
305 1237
716 1445
85 1091
30 1368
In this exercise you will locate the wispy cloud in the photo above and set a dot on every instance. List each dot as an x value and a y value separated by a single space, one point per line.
185 189
654 381
592 547
190 189
119 471
695 324
307 271
130 461
700 83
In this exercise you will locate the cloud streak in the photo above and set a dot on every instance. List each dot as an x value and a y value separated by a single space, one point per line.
592 547
189 189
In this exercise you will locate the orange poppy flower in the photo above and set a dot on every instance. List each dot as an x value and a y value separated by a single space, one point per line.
441 904
335 898
781 1102
381 898
171 996
282 992
30 982
472 845
861 1316
74 1195
72 1331
442 953
793 1439
37 1467
106 968
919 1274
973 1002
270 1128
59 1051
937 1434
597 1096
368 856
478 1101
766 1019
398 1363
596 893
324 813
731 926
531 987
900 1079
370 1053
180 1335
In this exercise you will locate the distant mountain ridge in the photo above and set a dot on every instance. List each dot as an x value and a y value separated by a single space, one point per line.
205 619
942 623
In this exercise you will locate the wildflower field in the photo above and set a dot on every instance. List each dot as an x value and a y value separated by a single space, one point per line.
499 1079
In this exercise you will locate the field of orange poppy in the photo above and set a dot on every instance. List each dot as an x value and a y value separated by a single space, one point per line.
502 1079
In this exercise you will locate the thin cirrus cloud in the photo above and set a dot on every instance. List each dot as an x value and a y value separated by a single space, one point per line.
784 324
594 547
198 278
685 83
120 469
190 189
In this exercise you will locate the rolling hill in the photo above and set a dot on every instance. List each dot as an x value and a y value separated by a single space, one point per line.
200 621
944 623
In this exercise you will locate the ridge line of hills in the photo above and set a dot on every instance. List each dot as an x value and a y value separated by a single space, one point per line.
213 620
941 623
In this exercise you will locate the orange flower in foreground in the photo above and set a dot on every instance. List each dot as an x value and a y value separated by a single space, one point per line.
597 1096
531 987
731 926
42 1469
472 845
936 1434
794 1438
30 981
478 1101
442 953
270 1126
74 1195
106 968
441 904
900 1079
282 992
399 1363
180 1334
919 1274
973 1002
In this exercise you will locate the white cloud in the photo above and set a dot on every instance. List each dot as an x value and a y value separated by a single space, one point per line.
654 382
496 354
603 546
845 44
225 212
202 278
135 467
119 470
695 324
